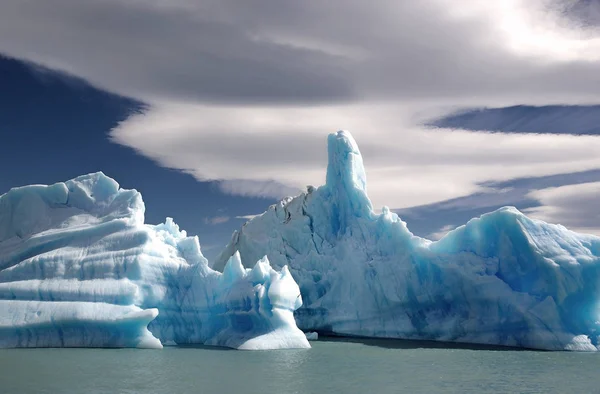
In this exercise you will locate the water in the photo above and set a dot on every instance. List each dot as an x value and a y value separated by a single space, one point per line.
331 366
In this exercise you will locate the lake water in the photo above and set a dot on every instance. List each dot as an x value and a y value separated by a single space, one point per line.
331 366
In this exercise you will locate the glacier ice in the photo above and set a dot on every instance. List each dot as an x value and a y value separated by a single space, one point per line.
501 279
78 267
312 335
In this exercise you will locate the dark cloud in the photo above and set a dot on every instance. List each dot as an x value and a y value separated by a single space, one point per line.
275 52
152 51
583 12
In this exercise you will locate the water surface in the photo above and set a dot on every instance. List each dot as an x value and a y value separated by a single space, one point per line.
331 366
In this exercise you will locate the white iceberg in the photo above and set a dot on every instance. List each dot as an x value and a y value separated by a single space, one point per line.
501 279
78 267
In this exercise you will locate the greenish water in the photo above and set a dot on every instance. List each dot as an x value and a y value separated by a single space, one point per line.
331 366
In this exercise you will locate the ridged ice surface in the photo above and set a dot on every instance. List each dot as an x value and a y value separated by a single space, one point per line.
501 279
78 267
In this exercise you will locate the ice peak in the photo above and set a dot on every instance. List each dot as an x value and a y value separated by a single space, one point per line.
345 164
346 177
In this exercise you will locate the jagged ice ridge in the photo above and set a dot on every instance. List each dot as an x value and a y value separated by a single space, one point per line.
78 267
501 279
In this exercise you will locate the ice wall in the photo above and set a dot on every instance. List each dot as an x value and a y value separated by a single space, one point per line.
501 279
78 267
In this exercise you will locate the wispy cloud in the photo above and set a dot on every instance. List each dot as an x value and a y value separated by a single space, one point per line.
439 234
217 220
247 217
257 188
574 206
406 165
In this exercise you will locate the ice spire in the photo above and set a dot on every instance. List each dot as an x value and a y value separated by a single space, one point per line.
346 177
345 164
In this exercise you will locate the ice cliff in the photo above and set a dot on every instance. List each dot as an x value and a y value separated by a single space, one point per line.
501 279
78 267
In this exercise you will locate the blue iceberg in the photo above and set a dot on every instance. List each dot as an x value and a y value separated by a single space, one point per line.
501 279
78 267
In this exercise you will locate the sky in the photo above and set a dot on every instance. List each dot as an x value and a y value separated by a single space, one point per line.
215 109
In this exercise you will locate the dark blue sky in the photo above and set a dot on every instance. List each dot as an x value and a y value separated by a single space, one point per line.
54 127
549 119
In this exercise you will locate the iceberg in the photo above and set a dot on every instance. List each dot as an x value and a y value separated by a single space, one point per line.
78 267
501 279
312 336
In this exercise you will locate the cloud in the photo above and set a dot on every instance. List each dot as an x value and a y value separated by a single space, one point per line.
247 217
574 206
244 92
253 188
426 219
439 234
169 50
217 220
406 165
228 51
582 12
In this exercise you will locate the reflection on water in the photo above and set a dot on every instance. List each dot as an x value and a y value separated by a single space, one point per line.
334 365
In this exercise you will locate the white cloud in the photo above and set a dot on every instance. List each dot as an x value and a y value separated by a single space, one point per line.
254 188
406 165
574 206
247 217
217 220
441 232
